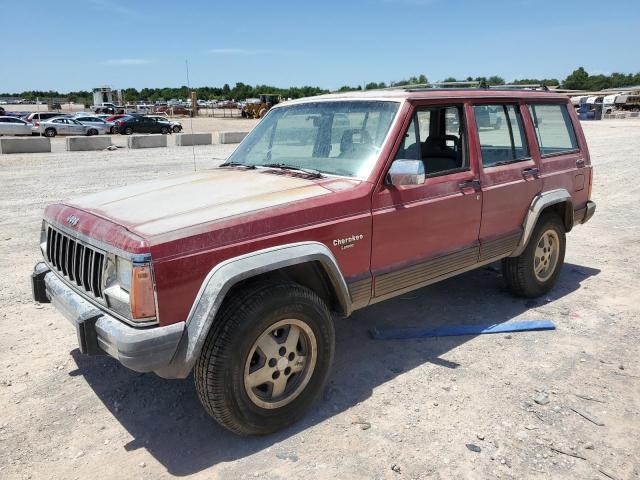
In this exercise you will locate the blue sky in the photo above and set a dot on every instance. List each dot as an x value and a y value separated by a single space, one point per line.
79 44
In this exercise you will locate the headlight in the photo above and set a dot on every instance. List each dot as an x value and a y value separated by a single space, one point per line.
131 289
123 273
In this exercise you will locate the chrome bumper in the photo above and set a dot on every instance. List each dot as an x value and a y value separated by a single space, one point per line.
140 349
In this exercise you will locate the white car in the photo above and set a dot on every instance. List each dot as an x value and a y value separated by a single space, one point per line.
14 126
65 126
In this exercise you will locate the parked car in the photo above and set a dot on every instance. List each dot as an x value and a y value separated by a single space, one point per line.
234 273
65 126
113 118
14 126
140 124
176 127
40 116
103 125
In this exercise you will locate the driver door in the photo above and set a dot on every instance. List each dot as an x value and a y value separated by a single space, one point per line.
425 231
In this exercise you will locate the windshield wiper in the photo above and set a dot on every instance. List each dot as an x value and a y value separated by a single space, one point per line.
237 164
284 166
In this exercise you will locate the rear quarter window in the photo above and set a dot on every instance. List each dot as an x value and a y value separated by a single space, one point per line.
554 128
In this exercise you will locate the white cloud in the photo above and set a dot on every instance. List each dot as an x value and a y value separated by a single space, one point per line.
127 61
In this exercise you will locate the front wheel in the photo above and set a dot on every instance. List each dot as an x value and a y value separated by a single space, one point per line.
176 129
266 358
164 130
91 132
537 269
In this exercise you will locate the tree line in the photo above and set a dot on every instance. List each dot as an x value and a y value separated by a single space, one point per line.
579 79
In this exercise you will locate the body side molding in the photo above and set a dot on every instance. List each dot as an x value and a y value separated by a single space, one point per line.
539 203
228 273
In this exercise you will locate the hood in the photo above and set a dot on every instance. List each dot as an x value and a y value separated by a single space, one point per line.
161 206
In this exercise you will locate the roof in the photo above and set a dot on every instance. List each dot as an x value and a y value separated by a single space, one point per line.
398 94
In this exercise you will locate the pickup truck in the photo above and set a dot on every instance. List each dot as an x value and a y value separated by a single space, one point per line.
330 204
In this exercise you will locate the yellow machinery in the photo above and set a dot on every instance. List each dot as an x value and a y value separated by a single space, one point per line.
260 109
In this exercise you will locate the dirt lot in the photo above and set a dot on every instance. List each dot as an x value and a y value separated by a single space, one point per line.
453 407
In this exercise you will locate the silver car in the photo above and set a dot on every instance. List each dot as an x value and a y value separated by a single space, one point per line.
14 126
102 125
64 126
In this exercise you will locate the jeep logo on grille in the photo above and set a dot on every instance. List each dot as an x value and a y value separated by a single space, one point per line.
72 220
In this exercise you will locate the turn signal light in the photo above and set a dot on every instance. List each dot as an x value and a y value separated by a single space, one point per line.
143 302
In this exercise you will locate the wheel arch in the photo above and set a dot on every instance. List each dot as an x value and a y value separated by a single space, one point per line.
559 201
309 263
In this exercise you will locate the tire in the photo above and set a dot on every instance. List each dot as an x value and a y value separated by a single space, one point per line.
91 132
265 314
112 130
128 131
164 130
50 132
520 272
176 129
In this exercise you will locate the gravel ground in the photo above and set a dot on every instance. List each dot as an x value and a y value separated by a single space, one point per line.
493 406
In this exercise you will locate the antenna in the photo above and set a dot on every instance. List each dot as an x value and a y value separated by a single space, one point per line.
193 147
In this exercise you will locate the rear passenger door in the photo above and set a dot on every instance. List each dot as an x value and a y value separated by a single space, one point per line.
563 163
509 175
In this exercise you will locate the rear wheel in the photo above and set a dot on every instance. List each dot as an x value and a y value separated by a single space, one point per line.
50 132
266 359
164 130
536 270
128 131
92 131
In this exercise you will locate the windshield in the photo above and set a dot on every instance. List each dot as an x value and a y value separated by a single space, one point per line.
339 138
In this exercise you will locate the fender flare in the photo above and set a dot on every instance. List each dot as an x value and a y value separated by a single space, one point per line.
226 274
538 204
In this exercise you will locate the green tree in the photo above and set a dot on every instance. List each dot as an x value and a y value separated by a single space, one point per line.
577 80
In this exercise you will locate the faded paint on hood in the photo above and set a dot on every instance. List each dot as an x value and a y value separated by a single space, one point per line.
161 206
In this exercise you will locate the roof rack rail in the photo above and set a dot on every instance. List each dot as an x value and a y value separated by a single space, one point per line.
417 86
514 86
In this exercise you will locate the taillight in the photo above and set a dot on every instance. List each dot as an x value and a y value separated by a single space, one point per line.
37 124
142 296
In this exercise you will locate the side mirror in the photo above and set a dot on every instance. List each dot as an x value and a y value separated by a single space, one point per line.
406 172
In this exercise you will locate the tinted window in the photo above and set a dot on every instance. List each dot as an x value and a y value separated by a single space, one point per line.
501 133
554 128
436 136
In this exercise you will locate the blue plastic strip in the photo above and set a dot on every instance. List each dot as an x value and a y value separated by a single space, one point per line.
454 330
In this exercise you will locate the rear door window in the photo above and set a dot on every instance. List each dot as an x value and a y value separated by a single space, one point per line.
501 133
554 129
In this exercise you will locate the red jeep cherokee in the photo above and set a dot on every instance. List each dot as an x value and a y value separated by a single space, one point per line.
330 204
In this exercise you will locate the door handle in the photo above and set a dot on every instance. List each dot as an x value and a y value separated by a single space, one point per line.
580 163
475 184
533 171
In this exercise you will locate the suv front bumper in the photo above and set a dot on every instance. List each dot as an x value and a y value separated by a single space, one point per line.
140 349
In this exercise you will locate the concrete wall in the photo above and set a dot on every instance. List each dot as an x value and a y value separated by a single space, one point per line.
188 139
147 141
25 145
96 142
231 137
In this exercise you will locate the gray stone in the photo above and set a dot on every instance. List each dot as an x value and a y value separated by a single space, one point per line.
25 145
231 137
189 139
82 144
147 141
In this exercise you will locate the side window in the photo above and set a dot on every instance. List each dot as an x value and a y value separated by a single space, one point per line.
436 136
554 128
501 133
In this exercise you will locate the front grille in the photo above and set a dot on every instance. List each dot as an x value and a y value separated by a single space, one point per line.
78 262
